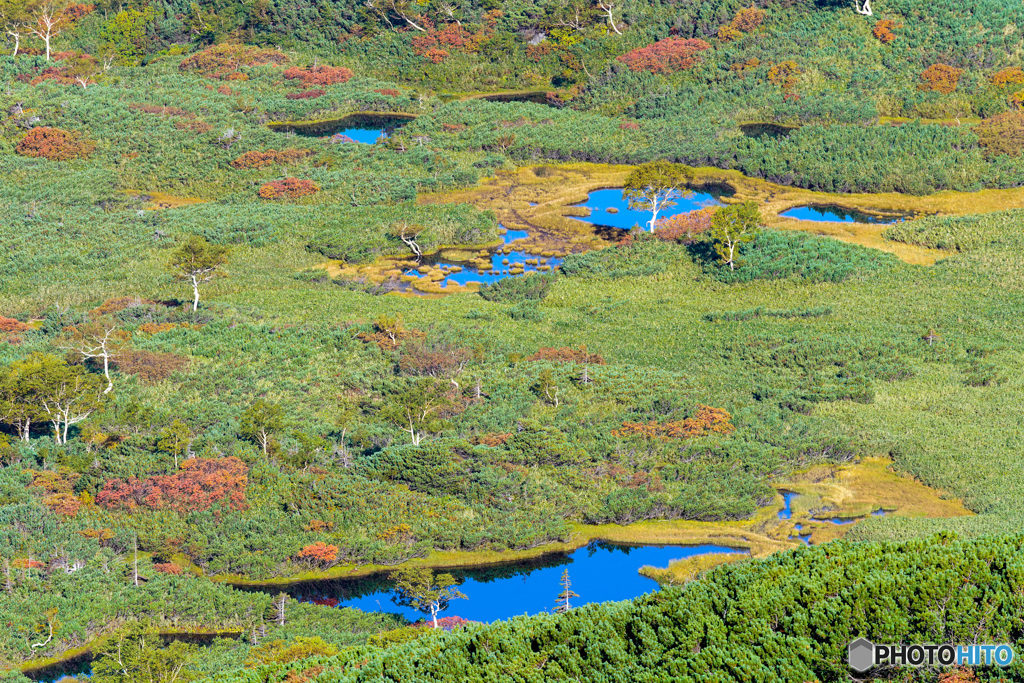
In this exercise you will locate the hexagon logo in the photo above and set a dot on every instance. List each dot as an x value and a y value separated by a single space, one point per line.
861 655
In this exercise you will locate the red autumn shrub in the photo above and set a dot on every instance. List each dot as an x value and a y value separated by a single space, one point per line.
12 325
289 188
566 354
319 75
666 56
747 19
883 31
435 55
119 304
200 127
150 366
162 111
306 95
388 92
270 157
1013 75
200 483
236 76
436 42
629 125
54 144
319 552
168 568
784 74
684 226
940 78
453 127
222 61
707 420
77 11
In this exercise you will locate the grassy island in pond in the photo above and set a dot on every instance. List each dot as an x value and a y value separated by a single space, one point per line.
627 341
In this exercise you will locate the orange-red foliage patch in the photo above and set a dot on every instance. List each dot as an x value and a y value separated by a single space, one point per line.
150 366
666 56
289 188
883 31
270 157
319 75
306 94
1013 75
12 325
54 144
223 61
168 568
707 420
319 552
940 78
200 483
201 127
388 92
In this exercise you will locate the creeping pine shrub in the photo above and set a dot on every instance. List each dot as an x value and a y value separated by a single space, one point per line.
512 289
960 233
643 255
776 255
306 94
289 188
54 144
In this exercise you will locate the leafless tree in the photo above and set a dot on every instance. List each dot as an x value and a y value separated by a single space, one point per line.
609 7
864 9
50 22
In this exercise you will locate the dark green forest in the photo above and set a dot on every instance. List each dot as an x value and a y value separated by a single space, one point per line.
217 367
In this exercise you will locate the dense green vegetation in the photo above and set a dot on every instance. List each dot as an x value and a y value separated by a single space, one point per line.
289 425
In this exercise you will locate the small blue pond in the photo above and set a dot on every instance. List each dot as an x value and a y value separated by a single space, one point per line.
599 572
511 236
837 214
600 201
787 501
367 136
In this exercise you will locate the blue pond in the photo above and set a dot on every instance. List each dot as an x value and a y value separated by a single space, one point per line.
599 572
836 214
367 136
787 501
599 201
470 274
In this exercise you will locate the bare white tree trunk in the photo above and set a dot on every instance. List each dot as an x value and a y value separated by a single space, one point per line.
865 9
195 289
608 6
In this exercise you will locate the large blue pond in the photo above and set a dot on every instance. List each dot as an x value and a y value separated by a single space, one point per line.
837 214
599 201
599 572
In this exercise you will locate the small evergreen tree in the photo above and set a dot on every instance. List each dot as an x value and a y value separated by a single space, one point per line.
567 594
